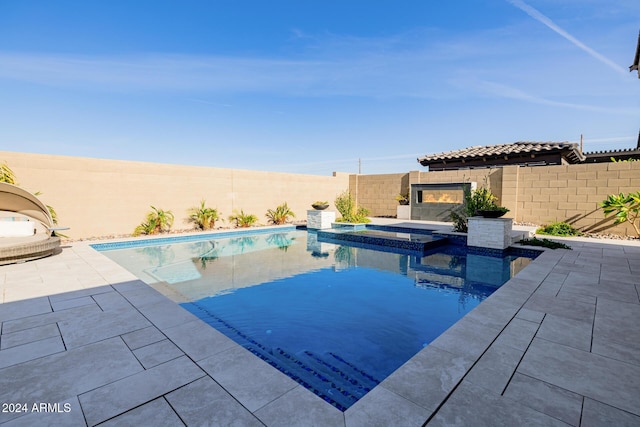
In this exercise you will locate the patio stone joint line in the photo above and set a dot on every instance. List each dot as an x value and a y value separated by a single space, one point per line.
522 356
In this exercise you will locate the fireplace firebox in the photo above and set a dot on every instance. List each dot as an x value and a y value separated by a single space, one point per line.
434 202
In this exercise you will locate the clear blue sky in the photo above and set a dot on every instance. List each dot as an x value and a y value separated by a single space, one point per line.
313 86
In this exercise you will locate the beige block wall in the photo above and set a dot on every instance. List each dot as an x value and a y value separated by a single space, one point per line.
97 197
378 192
572 193
491 178
538 195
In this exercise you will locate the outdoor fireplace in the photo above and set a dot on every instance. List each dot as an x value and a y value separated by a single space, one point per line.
434 202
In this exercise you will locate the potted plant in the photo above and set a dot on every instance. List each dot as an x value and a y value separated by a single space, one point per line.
492 211
319 205
403 199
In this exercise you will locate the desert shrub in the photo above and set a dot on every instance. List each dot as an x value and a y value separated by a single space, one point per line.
544 243
157 221
559 229
280 215
346 205
243 220
202 217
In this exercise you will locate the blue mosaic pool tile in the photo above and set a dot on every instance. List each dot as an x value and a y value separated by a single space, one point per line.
181 239
499 253
377 242
396 229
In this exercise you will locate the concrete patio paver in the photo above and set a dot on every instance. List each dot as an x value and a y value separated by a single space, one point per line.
556 345
546 398
205 402
110 400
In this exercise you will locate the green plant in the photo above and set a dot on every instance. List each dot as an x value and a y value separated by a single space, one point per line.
280 215
626 208
52 212
559 229
243 220
631 159
534 241
7 175
403 198
202 217
480 199
157 221
346 205
319 203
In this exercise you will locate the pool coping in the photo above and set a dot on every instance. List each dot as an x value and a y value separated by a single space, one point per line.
489 337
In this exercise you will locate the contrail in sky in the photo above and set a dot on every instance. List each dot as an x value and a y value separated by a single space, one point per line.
538 16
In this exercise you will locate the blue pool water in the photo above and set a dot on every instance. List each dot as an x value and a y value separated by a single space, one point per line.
336 318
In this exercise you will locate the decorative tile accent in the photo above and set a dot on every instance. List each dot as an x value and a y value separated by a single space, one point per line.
181 239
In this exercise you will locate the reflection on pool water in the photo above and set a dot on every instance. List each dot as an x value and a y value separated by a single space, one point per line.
338 319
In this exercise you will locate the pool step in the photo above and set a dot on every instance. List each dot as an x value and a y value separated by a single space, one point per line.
340 372
328 375
402 243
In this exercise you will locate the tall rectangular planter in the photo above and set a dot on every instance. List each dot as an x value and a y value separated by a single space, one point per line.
320 220
403 212
494 233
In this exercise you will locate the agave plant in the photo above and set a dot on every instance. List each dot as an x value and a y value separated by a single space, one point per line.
280 214
157 221
243 220
202 217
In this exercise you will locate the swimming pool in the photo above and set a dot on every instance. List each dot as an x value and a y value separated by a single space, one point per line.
334 317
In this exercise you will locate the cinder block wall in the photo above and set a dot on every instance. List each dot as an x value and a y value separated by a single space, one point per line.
378 192
97 197
538 195
572 193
